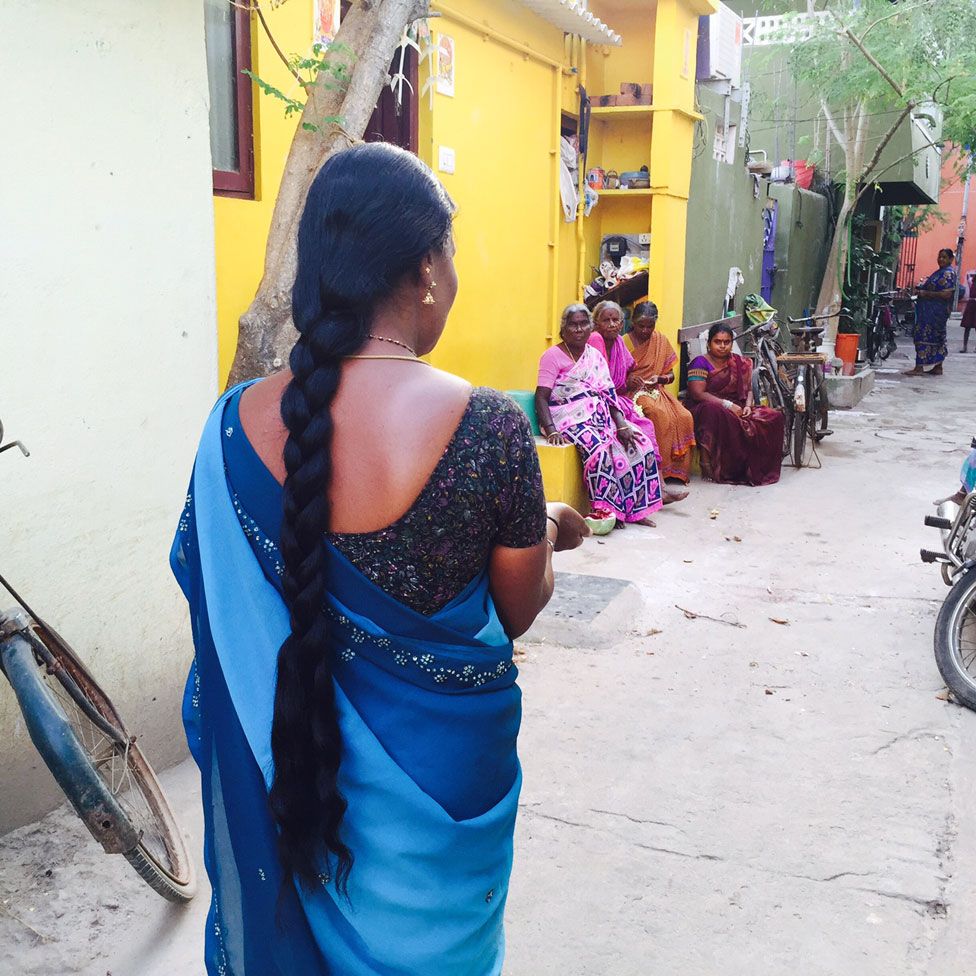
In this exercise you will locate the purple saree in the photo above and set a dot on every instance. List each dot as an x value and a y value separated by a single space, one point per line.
734 450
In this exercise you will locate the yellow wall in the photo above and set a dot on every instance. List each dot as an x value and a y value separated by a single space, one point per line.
503 124
241 226
518 260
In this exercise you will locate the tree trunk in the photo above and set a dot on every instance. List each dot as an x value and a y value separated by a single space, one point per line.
829 299
366 42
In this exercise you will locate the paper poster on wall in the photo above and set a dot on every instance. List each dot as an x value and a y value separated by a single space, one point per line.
445 65
326 26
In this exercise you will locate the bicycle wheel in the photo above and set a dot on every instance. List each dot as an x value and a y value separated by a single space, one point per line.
821 411
102 771
955 639
801 422
772 396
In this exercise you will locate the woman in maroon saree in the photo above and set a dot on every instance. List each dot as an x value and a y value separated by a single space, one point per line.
740 443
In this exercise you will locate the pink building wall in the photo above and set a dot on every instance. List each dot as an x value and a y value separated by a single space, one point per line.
939 235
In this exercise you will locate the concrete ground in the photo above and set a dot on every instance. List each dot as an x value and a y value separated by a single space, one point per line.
773 786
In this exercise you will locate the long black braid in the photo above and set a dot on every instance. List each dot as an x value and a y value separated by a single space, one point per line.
372 214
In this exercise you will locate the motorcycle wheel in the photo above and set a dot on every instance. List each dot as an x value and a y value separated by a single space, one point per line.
955 639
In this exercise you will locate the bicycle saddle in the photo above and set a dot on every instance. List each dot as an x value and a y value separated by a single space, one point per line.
808 330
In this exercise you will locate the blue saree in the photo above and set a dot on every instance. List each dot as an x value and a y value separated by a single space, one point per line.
429 712
931 316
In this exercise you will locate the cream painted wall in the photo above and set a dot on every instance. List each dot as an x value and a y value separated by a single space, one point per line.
108 345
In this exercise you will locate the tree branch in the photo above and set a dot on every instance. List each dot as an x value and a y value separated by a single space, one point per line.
874 62
255 5
896 13
841 141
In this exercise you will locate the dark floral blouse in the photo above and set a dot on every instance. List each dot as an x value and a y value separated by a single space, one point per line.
486 491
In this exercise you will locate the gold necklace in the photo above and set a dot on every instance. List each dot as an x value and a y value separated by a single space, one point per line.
402 359
396 342
569 352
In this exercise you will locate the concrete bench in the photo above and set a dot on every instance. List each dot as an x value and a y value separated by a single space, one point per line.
562 469
562 474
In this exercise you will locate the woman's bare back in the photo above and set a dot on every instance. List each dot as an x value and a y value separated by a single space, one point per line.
393 420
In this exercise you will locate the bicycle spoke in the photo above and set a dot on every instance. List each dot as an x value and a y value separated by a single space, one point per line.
110 760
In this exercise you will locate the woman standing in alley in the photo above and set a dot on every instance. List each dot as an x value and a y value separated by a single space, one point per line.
934 302
363 537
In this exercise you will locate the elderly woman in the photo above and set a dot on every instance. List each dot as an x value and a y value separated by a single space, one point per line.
740 443
647 384
935 296
608 320
576 403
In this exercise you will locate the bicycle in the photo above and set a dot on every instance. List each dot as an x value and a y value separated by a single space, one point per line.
84 742
880 333
811 407
770 384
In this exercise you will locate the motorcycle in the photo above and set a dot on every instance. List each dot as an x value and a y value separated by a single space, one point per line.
955 627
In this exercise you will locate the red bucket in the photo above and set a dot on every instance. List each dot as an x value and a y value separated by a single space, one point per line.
845 348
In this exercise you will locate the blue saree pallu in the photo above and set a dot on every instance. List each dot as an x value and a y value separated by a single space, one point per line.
429 713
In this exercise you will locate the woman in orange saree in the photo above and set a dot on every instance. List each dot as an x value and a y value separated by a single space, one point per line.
648 382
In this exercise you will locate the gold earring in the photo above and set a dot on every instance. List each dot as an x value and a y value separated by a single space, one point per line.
429 297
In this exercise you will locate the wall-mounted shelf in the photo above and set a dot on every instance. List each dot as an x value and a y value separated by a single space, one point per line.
622 111
647 192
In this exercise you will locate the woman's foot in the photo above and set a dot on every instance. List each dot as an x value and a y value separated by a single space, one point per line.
958 498
914 371
670 497
649 522
934 371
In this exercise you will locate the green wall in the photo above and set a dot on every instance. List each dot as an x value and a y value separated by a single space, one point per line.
725 230
725 226
801 248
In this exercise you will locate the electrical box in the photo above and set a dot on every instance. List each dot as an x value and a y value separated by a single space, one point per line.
720 47
615 247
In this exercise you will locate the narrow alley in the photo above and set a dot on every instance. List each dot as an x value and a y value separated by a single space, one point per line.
736 754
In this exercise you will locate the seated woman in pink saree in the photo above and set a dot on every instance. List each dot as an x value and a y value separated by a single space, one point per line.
576 403
740 443
608 320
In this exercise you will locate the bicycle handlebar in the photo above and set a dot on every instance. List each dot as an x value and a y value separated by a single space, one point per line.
771 324
817 318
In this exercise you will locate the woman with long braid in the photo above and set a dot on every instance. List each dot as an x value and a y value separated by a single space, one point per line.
363 537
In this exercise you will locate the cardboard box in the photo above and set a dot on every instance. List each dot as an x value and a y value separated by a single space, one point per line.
607 101
631 99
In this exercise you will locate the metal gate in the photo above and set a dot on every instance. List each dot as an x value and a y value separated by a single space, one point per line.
905 275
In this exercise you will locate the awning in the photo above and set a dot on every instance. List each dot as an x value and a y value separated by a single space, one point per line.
571 17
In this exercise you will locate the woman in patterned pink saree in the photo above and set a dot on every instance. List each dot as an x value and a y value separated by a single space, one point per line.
576 403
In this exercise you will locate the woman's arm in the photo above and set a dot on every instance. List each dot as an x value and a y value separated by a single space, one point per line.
696 390
633 383
625 433
521 580
544 416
